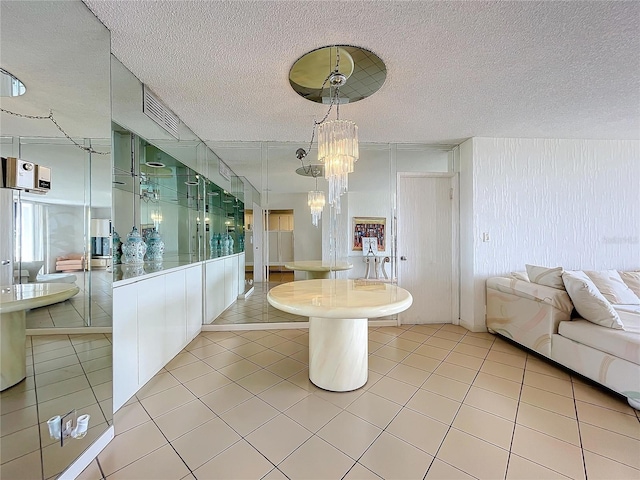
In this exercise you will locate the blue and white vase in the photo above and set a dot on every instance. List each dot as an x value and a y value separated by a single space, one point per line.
155 247
241 243
117 245
134 248
230 244
213 245
224 242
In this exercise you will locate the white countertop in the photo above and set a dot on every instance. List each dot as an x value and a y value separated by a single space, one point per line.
337 298
33 295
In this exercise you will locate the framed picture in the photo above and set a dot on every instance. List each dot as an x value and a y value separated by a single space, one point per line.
145 230
369 227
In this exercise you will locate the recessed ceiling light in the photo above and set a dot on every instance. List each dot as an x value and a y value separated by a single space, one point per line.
213 194
191 182
154 164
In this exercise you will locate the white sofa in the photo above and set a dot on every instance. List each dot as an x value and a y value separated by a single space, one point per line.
544 320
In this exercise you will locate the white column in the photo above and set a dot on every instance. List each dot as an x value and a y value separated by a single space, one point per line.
338 353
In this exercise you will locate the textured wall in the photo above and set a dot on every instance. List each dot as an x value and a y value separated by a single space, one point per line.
574 203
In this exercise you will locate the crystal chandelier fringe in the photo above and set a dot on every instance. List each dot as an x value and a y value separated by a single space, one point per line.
338 151
316 202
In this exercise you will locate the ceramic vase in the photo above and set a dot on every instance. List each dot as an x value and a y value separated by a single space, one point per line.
213 245
224 242
133 249
155 247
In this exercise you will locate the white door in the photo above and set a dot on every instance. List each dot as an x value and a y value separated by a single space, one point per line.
427 254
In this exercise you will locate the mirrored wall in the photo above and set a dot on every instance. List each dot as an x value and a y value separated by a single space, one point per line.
61 53
185 205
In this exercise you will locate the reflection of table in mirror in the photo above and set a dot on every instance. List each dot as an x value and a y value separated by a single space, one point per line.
317 269
338 312
14 301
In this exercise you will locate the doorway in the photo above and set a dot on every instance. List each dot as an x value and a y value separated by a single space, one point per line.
428 246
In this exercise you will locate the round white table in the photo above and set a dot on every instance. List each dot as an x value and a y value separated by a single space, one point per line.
15 300
338 312
317 268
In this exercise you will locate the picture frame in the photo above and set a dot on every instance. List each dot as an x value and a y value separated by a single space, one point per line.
369 227
145 230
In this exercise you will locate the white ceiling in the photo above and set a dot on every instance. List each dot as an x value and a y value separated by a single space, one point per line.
455 69
61 53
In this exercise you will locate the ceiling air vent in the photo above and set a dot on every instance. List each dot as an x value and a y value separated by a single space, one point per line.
156 111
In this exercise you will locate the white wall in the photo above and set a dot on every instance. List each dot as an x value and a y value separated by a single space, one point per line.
573 203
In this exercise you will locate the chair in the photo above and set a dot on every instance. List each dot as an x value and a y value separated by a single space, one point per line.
71 262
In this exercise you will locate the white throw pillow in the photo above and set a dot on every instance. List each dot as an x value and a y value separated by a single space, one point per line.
589 302
613 288
632 279
520 276
551 277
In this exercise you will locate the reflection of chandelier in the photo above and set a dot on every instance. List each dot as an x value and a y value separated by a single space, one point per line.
315 200
337 142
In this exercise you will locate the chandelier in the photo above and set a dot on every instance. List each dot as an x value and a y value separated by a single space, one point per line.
315 200
337 139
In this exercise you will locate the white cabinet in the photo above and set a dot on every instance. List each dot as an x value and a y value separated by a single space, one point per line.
152 328
156 316
125 339
214 297
195 307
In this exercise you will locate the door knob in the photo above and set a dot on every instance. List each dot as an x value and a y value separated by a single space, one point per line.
403 258
6 262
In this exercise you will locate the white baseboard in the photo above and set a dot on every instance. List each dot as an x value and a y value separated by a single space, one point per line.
88 456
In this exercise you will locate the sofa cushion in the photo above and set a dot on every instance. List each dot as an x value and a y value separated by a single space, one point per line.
632 279
619 343
611 286
589 302
520 276
551 277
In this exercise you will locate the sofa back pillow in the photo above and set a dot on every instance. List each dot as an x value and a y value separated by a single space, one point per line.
520 276
632 279
589 302
551 277
611 286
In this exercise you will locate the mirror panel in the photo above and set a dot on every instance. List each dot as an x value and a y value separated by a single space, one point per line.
62 54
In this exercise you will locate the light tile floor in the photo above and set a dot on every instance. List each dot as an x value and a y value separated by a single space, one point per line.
440 403
64 372
75 311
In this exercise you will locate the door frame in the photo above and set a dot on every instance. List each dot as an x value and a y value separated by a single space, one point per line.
454 184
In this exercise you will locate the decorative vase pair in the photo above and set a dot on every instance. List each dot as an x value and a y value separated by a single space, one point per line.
135 250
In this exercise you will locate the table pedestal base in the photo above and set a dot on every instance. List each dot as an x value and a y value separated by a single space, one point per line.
338 353
13 366
317 275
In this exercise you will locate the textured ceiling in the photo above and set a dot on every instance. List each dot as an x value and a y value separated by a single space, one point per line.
455 69
61 53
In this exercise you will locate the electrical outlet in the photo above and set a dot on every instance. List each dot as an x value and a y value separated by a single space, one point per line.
485 237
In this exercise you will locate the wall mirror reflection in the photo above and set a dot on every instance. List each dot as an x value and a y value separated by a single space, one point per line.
56 244
280 228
